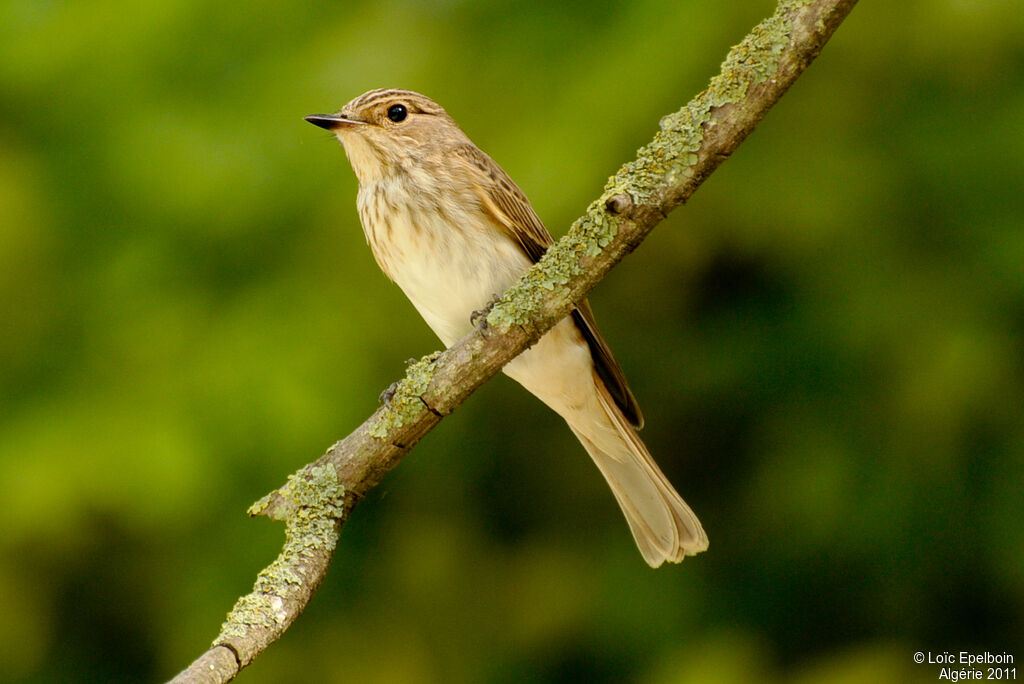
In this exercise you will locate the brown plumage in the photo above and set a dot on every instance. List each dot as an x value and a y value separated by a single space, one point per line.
450 227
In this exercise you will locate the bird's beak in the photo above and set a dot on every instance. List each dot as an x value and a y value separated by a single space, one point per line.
332 121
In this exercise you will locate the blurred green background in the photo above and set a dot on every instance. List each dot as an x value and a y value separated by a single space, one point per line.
827 342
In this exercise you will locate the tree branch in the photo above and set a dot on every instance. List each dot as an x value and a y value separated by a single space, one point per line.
690 144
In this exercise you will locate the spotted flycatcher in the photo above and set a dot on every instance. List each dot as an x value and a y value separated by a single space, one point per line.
449 226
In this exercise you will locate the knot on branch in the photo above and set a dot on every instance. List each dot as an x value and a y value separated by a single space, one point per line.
619 204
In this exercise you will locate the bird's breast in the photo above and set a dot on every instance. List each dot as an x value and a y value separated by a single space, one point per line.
441 248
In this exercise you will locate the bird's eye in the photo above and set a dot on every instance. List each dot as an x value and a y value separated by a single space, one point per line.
397 113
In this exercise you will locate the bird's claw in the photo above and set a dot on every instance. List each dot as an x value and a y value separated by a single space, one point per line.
479 314
389 393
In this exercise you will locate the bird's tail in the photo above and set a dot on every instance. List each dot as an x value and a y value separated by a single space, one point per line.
664 527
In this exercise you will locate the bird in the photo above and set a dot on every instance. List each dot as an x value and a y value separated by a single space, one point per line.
453 231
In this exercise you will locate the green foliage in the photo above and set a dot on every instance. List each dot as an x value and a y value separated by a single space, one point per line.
826 340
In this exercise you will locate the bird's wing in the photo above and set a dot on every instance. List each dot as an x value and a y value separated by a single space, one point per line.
510 208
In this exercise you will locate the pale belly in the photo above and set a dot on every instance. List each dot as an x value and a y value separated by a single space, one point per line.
446 272
449 273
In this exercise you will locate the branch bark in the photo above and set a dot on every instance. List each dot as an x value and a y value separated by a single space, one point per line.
690 144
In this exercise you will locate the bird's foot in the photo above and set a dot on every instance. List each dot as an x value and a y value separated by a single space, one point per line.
389 393
480 315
